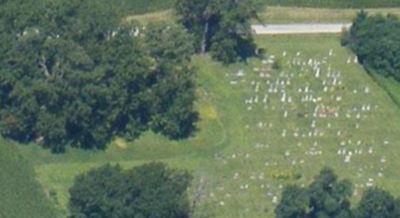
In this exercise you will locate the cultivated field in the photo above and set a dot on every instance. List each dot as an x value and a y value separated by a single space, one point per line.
263 128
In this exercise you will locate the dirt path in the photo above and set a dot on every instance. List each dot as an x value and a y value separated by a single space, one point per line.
276 29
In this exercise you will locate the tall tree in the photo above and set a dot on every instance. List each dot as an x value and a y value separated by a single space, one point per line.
171 46
73 74
151 190
329 197
376 42
295 202
377 203
220 26
326 196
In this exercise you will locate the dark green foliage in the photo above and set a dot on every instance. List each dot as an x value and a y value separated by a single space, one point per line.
221 27
174 92
329 197
21 194
376 42
326 196
151 190
295 202
377 203
72 74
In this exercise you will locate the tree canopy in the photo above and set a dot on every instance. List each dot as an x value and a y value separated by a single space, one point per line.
326 196
376 42
329 197
221 27
377 203
295 202
150 190
72 73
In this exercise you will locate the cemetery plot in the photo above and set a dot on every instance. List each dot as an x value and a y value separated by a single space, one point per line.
265 124
317 109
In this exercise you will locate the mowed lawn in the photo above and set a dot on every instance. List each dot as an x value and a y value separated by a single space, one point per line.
246 150
390 84
146 6
277 14
21 194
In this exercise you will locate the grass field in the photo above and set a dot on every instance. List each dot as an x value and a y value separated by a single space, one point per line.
146 6
316 15
335 3
244 153
389 84
21 194
282 15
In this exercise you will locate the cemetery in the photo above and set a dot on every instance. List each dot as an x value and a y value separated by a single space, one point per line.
201 110
318 109
265 124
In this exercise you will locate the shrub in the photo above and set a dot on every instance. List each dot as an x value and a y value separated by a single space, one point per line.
151 190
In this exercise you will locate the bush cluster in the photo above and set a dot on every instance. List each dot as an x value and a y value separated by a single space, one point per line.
376 42
151 190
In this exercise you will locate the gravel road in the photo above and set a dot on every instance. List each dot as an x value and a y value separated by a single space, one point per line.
276 29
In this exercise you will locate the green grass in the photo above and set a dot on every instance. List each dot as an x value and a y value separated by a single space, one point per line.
282 15
316 15
334 3
146 6
391 85
228 134
21 194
